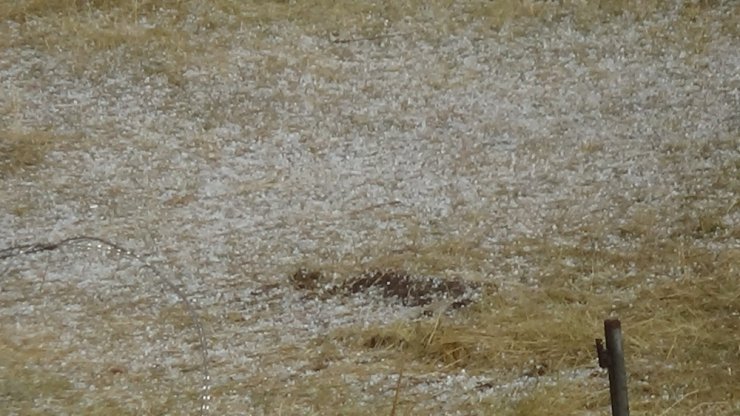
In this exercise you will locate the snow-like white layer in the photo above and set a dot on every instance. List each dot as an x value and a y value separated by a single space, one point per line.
244 170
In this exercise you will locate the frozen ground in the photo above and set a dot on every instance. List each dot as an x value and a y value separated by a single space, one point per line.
287 150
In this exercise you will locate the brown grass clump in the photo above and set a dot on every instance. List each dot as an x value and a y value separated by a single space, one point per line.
410 290
20 151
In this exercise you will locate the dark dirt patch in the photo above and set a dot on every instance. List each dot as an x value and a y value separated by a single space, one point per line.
405 288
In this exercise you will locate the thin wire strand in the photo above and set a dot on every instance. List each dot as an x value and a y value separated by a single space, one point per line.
28 249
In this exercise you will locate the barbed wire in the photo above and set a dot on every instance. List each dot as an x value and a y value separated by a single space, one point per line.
102 244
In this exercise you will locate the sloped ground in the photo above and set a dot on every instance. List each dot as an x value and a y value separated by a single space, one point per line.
563 162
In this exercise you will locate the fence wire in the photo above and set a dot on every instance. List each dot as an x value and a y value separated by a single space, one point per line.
22 265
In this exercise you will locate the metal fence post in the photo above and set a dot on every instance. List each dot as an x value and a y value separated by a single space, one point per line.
612 358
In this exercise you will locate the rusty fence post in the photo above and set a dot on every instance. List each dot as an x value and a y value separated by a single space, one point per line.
612 358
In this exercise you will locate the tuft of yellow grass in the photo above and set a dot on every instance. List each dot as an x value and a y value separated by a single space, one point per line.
23 150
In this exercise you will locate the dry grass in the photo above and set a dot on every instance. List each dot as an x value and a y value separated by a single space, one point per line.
40 377
676 293
171 32
19 151
682 348
23 152
678 299
679 302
